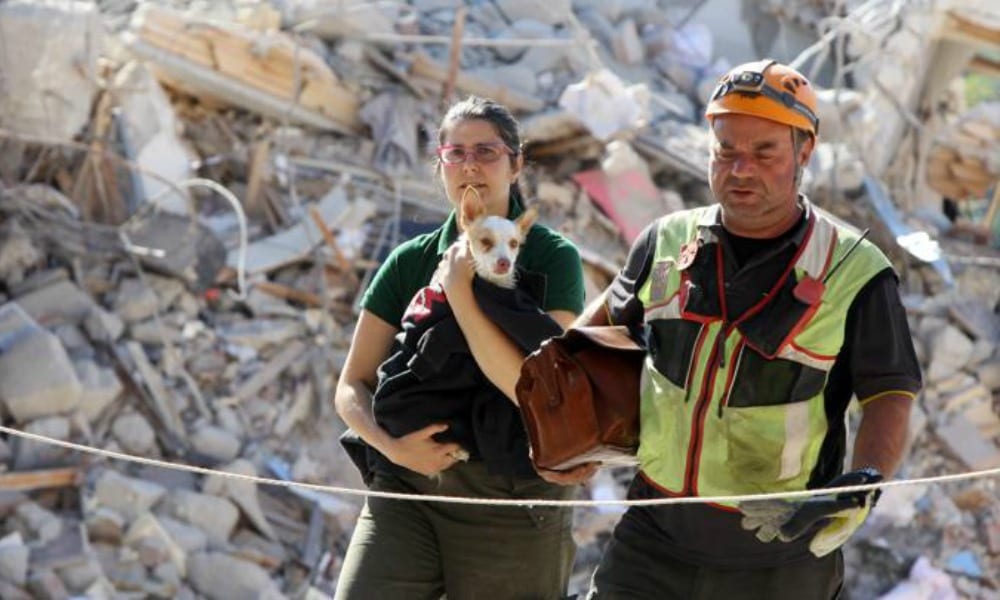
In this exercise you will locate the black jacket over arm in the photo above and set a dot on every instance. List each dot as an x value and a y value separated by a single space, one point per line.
432 377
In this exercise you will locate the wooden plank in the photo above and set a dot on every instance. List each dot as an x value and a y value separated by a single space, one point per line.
343 263
286 292
422 65
41 479
454 56
258 175
985 66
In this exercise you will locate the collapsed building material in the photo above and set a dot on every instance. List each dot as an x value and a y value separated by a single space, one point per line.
267 73
49 66
964 162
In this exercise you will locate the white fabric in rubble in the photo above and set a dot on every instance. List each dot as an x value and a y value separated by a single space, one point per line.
605 105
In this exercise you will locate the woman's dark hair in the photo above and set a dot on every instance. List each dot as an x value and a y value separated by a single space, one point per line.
484 109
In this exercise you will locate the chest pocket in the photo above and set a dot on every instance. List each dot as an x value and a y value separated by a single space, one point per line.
671 344
763 382
770 420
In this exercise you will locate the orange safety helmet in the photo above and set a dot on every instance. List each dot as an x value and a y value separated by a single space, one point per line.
769 90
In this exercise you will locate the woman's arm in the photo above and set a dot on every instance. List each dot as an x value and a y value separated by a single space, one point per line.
416 451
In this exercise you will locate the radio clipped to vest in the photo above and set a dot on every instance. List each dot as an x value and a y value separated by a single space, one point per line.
579 398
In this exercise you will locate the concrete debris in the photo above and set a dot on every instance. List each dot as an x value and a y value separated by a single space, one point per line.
50 66
145 311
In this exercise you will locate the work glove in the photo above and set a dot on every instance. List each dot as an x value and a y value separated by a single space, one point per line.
842 513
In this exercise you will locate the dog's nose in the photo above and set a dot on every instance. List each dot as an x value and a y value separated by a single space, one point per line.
503 265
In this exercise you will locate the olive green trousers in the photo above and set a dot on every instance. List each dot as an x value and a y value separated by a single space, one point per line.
428 550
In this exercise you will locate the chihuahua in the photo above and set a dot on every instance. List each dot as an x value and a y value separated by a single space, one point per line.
493 241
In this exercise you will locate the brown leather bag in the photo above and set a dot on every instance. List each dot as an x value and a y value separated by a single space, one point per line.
579 398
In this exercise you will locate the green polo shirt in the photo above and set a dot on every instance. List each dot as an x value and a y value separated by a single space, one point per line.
410 266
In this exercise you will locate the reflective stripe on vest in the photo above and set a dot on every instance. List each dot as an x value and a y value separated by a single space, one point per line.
720 414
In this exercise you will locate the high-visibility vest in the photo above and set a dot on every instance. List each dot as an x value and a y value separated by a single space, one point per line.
732 408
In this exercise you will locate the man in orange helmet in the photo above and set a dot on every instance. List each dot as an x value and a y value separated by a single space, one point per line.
762 317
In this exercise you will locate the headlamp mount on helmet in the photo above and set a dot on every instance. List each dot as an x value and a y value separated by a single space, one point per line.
753 82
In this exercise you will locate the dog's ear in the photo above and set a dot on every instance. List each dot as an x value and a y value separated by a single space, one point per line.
526 220
471 206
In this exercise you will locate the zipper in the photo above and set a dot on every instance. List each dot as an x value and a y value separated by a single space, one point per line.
701 408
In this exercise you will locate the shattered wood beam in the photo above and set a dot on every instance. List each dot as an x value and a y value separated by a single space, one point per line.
422 65
259 173
985 65
343 263
40 480
973 27
454 56
286 292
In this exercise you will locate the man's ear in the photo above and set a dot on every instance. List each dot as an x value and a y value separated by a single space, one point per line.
805 152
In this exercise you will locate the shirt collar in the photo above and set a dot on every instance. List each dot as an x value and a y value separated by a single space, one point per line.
449 231
712 221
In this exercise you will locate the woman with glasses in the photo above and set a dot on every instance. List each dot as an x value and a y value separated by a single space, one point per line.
415 549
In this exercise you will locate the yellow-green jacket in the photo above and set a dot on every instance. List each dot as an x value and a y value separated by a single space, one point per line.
733 408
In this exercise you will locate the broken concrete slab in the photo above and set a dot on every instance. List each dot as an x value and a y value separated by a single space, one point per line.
14 559
295 243
39 524
50 66
242 492
262 333
100 387
215 443
177 246
149 129
962 437
214 515
148 527
32 455
134 433
58 302
220 576
18 252
190 538
950 352
103 326
37 378
127 496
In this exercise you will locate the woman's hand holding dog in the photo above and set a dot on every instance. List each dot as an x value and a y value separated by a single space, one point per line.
457 268
418 451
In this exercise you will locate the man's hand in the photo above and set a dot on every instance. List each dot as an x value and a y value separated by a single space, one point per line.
574 476
419 451
843 513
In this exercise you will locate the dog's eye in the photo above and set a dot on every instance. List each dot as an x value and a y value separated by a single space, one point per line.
486 243
514 244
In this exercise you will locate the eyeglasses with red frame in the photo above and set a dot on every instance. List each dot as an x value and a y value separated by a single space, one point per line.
455 154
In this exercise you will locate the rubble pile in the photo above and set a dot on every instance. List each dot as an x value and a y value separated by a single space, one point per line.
194 195
964 162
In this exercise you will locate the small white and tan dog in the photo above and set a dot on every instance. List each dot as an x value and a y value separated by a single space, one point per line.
494 242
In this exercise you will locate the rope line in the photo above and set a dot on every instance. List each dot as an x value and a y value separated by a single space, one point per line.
523 502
